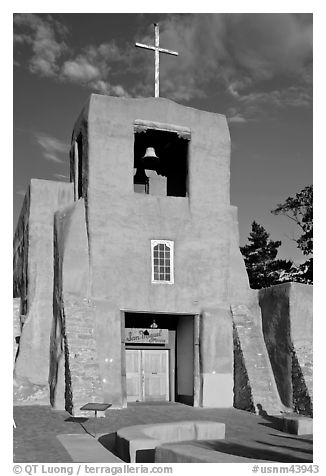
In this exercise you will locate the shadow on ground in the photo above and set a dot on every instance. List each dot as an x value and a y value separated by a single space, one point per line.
282 454
261 450
248 435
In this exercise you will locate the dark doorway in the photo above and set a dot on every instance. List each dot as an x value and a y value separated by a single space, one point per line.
176 345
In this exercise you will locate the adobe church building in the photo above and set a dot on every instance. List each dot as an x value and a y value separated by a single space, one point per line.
129 283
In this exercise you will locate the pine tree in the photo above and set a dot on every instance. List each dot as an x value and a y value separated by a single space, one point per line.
259 254
300 210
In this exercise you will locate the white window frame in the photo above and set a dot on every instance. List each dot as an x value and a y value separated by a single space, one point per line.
170 245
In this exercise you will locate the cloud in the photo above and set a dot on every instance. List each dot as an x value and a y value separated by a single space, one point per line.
234 116
53 149
51 56
92 68
41 36
254 105
234 53
79 70
291 96
268 44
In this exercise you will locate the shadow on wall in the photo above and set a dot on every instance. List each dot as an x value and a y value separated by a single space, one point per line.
287 326
301 399
242 397
109 442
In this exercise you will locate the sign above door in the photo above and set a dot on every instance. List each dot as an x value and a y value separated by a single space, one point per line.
146 336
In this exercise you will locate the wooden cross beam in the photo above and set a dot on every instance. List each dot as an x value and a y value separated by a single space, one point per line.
156 48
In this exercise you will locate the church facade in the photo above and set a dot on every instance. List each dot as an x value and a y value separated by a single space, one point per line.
130 282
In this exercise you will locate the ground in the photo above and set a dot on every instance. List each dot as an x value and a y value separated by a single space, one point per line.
247 435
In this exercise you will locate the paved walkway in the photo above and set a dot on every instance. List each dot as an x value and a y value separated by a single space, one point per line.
248 435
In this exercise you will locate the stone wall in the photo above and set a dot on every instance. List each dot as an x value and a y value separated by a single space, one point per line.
287 326
82 378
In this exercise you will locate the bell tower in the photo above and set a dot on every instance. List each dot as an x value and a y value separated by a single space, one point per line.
154 182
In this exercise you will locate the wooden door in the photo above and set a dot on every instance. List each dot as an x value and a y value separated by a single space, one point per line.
155 365
147 375
133 371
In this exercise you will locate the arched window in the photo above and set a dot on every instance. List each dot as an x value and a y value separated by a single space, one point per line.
162 261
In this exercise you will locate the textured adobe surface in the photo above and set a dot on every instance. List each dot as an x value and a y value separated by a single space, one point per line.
34 276
287 325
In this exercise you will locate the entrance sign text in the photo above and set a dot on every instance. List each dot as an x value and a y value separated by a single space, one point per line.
146 336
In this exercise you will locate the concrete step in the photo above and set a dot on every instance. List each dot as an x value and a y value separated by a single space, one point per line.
86 449
297 424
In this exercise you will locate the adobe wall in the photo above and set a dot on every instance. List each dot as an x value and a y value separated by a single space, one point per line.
239 291
20 255
32 364
122 223
20 265
74 366
288 331
216 358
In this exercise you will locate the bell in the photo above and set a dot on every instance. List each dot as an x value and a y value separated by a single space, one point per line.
150 160
150 153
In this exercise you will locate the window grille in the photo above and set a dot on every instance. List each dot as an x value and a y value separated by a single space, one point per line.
162 261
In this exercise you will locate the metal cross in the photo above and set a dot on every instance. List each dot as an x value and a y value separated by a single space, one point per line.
157 51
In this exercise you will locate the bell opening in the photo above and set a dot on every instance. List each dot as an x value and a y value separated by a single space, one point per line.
166 153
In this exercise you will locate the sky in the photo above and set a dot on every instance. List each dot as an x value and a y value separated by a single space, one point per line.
254 68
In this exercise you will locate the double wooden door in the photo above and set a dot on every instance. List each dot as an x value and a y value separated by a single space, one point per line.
147 374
